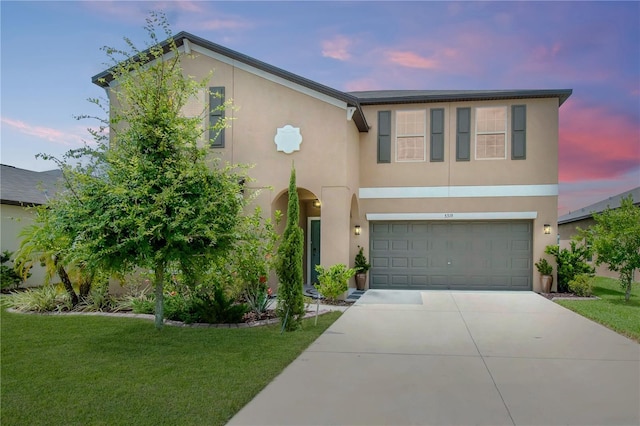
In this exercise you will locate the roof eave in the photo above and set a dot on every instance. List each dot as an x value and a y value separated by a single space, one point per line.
562 96
105 77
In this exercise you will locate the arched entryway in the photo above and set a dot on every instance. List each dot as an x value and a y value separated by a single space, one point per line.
310 213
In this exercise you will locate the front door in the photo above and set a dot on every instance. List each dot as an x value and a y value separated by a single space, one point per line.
314 249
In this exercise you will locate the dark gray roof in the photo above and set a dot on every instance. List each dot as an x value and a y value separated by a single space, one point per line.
600 206
26 187
377 97
357 99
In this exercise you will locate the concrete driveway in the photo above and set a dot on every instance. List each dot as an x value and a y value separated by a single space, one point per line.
456 358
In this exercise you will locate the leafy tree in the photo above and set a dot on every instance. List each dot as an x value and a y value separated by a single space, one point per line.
147 197
289 265
571 263
615 239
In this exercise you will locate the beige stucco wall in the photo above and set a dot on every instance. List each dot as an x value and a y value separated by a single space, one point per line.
327 166
14 219
539 168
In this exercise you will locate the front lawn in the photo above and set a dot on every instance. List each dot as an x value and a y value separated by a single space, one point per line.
80 370
611 310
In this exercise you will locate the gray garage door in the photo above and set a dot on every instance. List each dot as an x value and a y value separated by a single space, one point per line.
487 255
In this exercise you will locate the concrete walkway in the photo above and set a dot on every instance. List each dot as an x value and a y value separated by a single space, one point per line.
456 358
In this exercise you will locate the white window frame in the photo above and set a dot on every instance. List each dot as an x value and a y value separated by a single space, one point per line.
504 132
423 135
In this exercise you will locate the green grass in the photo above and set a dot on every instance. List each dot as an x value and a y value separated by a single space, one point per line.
611 310
80 370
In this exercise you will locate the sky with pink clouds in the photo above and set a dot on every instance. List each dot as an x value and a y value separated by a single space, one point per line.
50 50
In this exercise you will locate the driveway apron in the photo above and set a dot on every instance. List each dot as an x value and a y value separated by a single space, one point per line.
456 358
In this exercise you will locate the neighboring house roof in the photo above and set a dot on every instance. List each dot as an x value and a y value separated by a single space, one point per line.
356 99
25 187
600 206
377 97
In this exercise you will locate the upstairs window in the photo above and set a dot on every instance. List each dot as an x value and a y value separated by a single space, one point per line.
410 135
491 133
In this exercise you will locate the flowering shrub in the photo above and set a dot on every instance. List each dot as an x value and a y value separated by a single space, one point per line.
333 281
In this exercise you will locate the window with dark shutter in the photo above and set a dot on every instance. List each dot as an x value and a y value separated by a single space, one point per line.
384 136
463 134
518 132
216 115
437 134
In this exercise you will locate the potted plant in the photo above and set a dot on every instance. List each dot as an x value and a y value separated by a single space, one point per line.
361 266
546 279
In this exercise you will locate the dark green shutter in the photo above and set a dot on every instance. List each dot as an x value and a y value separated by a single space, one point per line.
437 134
216 114
384 136
518 132
463 134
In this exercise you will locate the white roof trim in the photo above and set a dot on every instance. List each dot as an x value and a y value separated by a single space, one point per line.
460 191
267 76
453 216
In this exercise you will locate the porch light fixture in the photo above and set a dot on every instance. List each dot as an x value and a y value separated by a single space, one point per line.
316 203
547 228
357 230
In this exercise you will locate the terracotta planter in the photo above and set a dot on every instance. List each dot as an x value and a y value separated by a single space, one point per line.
547 282
361 279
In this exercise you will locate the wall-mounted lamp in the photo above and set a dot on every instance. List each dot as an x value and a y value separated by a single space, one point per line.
547 228
316 203
357 230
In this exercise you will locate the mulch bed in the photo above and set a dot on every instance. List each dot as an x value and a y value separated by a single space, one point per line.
552 296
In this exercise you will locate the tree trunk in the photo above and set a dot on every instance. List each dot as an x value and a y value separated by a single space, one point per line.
159 282
64 277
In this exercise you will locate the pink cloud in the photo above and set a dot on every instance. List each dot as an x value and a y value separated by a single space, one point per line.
411 60
337 48
596 143
362 84
47 133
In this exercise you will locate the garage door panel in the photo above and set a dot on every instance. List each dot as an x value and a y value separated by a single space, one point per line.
451 255
379 262
400 228
520 245
379 244
399 245
399 262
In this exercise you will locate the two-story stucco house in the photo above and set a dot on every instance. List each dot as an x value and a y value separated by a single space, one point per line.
443 189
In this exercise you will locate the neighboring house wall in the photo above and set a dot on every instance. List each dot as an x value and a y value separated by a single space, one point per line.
21 189
14 219
570 224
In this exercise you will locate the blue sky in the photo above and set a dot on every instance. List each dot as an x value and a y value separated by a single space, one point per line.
50 50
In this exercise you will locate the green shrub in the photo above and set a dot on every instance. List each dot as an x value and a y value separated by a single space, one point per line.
216 308
143 304
98 300
8 276
43 299
333 281
581 285
571 262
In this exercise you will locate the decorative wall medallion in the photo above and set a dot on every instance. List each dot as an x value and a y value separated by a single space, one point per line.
288 139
